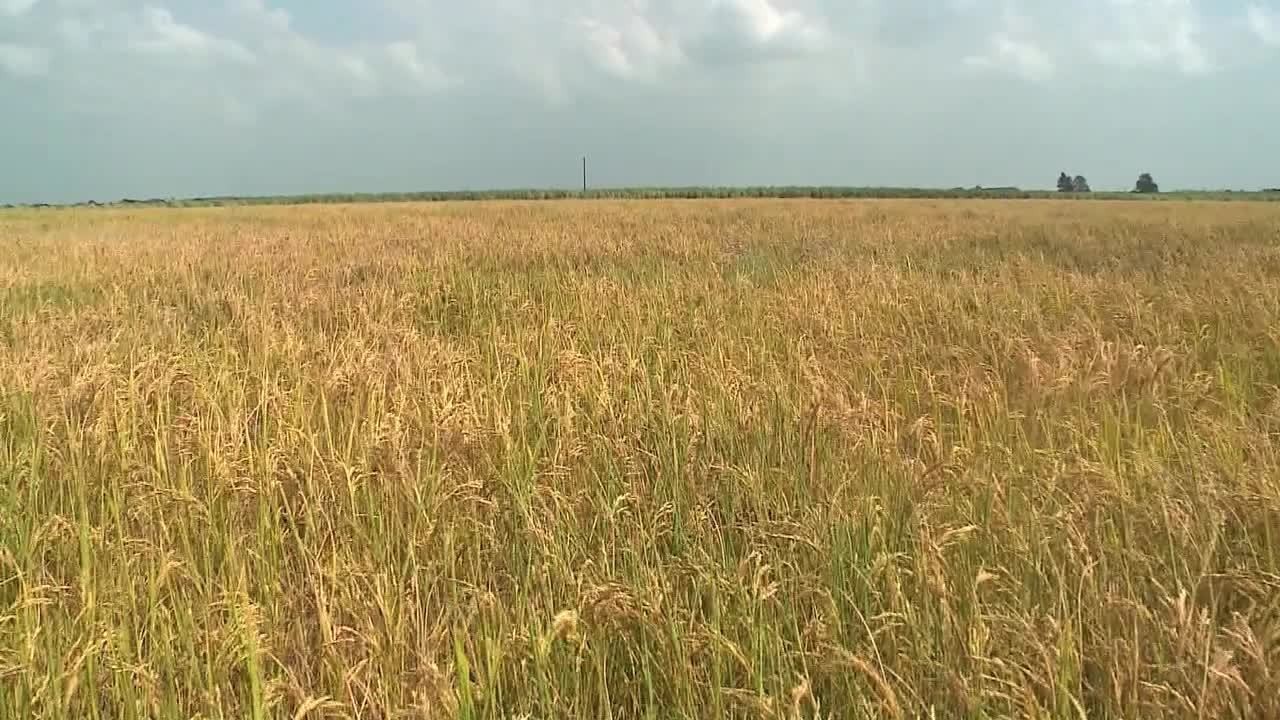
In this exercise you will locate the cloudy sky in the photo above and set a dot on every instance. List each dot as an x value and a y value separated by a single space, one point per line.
121 98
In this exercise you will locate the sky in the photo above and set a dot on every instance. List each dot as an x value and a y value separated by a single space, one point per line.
106 99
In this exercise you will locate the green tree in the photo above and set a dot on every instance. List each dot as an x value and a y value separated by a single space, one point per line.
1064 183
1146 184
1080 185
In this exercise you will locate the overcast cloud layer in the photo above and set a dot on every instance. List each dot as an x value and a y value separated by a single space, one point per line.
116 98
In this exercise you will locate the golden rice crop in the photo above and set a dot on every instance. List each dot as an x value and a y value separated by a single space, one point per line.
755 459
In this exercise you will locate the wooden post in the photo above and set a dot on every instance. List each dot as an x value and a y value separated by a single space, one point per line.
584 174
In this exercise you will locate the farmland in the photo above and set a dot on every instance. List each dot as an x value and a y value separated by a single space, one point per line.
588 459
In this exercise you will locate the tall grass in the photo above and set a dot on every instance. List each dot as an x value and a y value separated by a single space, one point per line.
641 460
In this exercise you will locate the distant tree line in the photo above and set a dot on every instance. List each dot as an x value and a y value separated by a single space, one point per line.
1078 184
1068 184
1146 185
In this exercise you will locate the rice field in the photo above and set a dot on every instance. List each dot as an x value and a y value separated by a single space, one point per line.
773 459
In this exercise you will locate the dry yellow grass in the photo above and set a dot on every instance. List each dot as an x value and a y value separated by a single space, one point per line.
753 459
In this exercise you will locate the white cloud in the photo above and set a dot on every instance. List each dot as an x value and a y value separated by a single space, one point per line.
645 40
561 47
633 48
13 8
275 18
299 66
1020 57
605 43
23 61
1153 33
76 32
405 56
749 30
160 33
763 23
1015 48
1265 24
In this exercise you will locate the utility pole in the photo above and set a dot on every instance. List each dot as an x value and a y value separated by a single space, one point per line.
584 174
